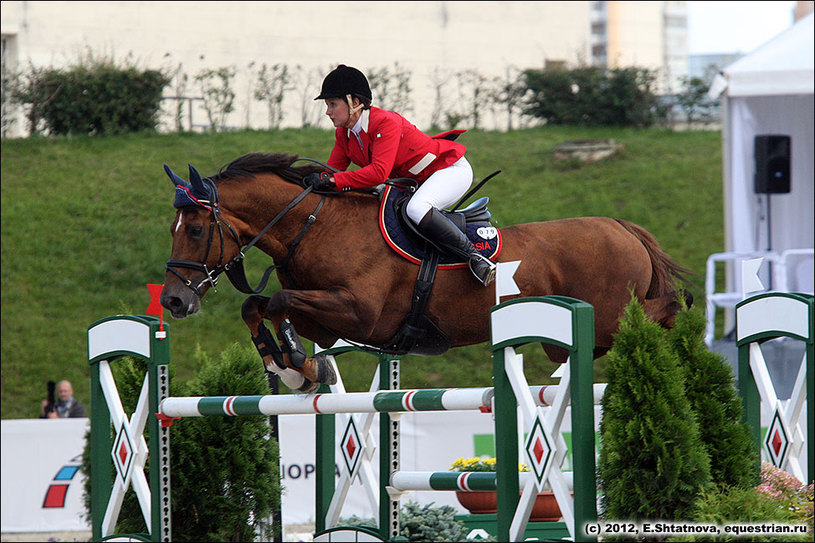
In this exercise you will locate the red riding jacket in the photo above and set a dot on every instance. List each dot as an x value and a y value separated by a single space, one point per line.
390 147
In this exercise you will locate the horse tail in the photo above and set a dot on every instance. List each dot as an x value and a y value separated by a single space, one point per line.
664 269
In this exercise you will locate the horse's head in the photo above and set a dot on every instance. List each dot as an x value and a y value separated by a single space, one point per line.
201 247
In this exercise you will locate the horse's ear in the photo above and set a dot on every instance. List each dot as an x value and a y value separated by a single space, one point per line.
199 189
174 178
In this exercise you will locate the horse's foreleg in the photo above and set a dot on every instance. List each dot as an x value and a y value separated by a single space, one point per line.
313 307
253 311
317 306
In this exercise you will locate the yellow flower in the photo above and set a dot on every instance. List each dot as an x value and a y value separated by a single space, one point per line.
484 463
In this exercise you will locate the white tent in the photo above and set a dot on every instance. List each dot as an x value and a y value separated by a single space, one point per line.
770 91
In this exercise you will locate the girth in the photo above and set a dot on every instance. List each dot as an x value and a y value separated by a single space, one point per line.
417 334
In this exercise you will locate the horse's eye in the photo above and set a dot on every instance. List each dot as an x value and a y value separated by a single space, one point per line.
196 231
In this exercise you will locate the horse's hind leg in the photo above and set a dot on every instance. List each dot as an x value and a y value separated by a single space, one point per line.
664 308
253 311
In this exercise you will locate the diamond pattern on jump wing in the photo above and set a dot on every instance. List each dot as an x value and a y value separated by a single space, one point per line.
777 442
122 454
351 447
539 451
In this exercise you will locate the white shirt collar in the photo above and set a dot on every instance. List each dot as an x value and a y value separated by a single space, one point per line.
361 124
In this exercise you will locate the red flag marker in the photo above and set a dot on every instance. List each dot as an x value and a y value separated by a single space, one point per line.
155 305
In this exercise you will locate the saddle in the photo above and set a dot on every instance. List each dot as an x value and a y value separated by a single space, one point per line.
408 242
417 334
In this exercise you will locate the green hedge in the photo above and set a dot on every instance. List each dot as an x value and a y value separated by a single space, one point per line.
92 98
592 96
653 463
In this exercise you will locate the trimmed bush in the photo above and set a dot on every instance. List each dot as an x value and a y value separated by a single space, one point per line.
732 505
420 523
93 97
592 96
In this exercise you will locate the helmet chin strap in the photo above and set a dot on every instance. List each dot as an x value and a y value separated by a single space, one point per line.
351 108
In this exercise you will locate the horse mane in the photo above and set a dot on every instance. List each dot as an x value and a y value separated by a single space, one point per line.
278 163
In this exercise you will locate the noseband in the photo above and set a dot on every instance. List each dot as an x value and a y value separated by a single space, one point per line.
234 268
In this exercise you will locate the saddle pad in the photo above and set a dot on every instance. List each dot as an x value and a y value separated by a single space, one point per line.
486 238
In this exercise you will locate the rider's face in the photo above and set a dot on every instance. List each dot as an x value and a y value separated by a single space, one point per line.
338 111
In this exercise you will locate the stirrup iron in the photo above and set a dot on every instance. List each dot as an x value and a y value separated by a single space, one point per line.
490 276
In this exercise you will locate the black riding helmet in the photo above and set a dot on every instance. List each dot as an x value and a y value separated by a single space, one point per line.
344 80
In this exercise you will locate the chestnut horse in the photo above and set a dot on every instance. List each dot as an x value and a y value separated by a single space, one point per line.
340 279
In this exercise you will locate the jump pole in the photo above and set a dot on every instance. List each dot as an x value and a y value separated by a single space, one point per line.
384 401
561 321
758 319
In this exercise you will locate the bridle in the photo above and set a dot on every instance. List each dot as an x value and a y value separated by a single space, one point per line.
234 268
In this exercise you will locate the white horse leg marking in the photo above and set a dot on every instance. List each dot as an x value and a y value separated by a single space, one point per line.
290 378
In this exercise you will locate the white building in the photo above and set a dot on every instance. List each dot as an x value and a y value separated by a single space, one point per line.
441 49
650 35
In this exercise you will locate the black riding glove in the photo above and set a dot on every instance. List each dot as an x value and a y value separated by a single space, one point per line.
320 181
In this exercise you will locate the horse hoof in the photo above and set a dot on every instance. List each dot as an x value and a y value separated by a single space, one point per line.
308 387
325 371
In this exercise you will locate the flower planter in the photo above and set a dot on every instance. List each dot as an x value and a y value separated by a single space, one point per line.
478 502
544 510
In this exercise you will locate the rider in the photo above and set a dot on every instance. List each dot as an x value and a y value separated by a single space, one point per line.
384 144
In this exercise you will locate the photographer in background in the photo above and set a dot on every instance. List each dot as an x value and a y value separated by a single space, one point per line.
64 405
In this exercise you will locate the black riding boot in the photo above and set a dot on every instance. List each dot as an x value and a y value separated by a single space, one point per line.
440 229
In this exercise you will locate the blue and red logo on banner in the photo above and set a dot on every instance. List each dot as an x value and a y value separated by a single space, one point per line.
58 489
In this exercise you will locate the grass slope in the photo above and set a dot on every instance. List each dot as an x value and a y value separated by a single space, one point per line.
85 226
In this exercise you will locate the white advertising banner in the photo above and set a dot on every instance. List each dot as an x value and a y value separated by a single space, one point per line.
429 442
41 481
42 484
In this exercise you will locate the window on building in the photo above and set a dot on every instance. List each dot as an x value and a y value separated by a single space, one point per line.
549 64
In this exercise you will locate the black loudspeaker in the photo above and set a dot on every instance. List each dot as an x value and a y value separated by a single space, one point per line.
772 154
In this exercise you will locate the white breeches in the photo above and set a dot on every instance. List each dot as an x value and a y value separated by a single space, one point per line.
440 190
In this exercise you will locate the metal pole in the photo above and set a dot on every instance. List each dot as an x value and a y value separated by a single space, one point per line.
274 431
389 379
325 465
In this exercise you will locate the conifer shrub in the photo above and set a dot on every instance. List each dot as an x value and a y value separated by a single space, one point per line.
224 477
426 522
710 388
652 463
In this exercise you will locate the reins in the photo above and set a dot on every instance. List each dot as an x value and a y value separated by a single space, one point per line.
235 270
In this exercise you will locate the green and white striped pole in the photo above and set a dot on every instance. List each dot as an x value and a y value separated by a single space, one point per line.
390 401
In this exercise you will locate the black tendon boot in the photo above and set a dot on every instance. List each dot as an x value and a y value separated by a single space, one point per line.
440 229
